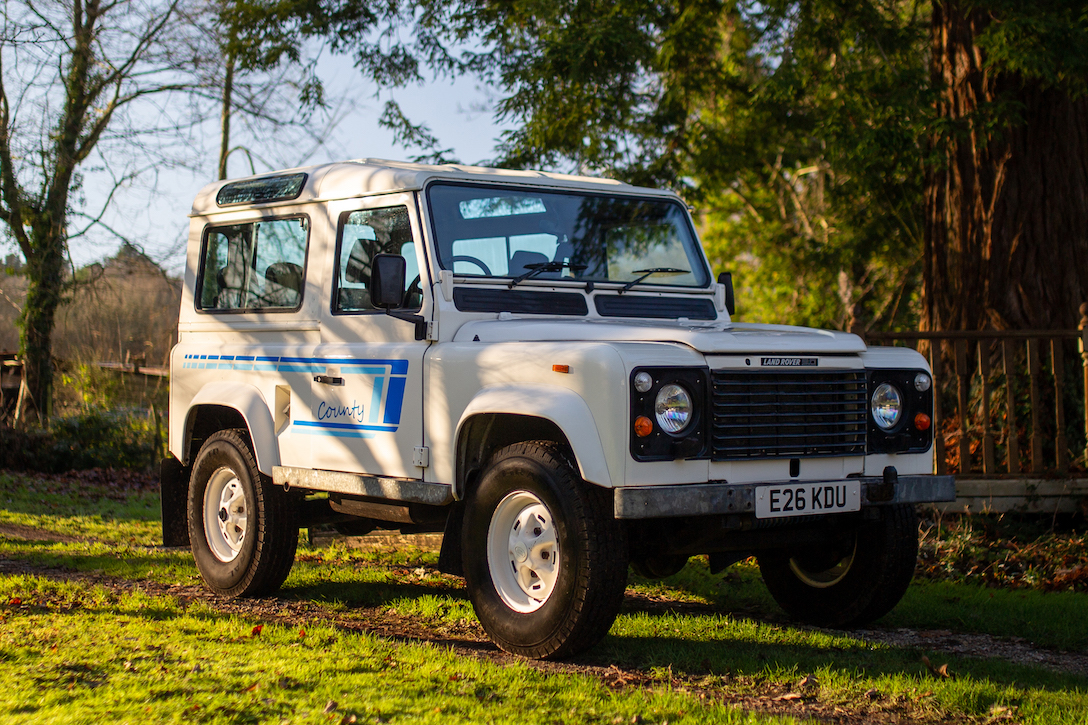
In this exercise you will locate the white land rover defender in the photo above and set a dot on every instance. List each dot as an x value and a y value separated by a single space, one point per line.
541 367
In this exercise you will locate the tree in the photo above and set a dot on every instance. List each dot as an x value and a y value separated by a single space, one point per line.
71 72
1006 242
795 127
873 148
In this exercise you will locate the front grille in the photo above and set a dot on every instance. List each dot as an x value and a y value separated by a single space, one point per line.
788 414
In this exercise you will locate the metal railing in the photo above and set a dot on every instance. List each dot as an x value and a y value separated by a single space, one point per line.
984 380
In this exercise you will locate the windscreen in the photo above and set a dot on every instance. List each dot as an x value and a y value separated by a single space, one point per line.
510 232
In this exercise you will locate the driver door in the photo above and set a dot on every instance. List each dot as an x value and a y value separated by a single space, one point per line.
367 400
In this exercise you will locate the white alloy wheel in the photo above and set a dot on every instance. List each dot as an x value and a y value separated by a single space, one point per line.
226 514
523 551
827 577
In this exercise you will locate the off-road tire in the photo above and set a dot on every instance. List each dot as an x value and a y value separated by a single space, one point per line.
884 554
592 574
267 551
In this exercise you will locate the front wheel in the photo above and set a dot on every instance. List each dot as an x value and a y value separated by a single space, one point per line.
243 530
851 580
545 561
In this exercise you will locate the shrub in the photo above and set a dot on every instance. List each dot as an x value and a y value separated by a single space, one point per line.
93 439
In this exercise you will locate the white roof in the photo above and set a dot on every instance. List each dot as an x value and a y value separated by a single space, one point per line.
360 177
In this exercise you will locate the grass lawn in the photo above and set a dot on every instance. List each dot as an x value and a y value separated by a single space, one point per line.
693 648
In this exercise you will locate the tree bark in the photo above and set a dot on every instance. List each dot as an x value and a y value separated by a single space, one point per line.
1006 234
45 278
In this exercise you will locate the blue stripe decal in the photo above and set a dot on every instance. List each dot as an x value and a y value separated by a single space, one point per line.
394 399
344 426
376 400
360 370
397 367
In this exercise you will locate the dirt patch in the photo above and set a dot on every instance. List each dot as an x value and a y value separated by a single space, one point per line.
29 533
980 646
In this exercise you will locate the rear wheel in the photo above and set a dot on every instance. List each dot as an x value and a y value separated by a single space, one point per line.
544 559
849 581
243 529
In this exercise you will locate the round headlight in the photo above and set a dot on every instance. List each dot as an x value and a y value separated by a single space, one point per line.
886 406
673 408
643 382
922 382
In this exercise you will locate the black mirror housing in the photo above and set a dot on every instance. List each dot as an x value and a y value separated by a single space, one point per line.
726 278
387 273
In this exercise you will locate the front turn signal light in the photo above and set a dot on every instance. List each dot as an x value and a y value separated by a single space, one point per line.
643 426
922 421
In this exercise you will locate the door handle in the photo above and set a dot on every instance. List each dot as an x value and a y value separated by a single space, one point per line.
328 380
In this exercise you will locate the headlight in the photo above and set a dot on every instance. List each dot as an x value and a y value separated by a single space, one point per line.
673 408
886 406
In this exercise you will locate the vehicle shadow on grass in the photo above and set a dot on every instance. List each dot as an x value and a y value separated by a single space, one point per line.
357 594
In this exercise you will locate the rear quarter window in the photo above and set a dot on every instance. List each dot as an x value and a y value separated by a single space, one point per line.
253 266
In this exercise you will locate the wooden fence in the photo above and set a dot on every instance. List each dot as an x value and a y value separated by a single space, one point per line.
1010 413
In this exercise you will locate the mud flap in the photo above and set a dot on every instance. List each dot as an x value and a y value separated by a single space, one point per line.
173 492
449 557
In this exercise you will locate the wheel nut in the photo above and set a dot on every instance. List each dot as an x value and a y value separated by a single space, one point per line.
536 531
223 514
544 555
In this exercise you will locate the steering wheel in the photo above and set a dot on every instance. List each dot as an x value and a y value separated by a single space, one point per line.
471 260
410 293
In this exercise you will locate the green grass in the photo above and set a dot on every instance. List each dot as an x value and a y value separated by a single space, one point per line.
81 509
702 640
74 654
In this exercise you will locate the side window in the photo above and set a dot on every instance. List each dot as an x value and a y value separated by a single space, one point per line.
363 234
253 266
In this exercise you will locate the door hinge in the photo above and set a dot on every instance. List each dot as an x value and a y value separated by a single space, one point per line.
432 329
421 456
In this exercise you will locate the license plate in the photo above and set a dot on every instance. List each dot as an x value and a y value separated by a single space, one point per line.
806 499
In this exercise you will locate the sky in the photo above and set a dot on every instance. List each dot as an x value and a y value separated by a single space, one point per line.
151 210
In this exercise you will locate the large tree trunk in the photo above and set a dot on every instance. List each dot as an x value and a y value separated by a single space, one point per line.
44 272
1006 235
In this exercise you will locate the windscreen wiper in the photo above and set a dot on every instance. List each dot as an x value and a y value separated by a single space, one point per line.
647 272
540 267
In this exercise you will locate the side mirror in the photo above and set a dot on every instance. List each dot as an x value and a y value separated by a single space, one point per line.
726 279
387 272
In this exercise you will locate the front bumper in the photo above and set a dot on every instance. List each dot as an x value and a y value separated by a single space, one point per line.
708 499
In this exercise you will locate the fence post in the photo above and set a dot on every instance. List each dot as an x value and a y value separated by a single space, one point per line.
988 465
938 435
1084 358
1057 364
963 376
1034 372
1008 353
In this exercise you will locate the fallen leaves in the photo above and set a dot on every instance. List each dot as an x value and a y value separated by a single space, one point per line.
788 696
256 632
938 672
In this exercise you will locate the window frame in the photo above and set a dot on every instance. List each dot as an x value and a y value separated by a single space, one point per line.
201 270
516 188
334 287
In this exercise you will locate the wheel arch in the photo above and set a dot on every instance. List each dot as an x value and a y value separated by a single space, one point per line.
504 414
223 405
